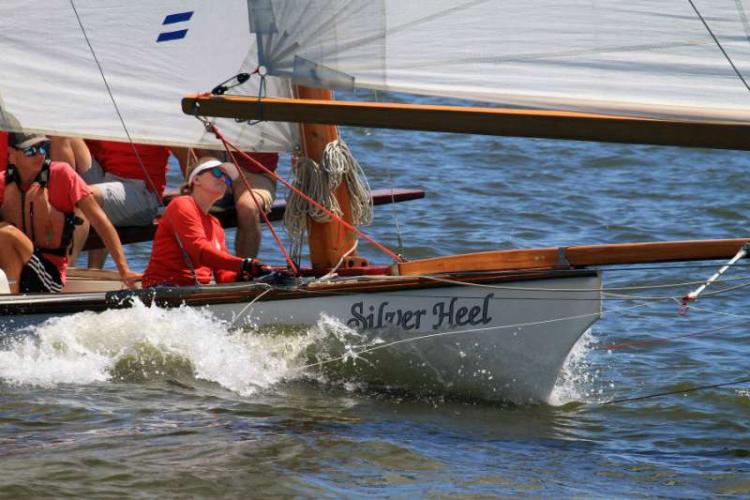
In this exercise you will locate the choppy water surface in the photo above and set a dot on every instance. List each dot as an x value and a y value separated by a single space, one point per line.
152 402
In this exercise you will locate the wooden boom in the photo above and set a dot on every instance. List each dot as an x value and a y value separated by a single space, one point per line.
576 256
471 120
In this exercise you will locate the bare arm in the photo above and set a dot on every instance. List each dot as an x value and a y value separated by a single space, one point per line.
108 234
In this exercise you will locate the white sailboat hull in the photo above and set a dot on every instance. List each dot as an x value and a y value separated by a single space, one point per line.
501 341
511 348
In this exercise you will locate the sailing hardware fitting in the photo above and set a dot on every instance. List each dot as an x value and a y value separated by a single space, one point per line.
239 79
693 296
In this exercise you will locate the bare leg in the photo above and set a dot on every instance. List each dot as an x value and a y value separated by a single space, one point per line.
247 242
80 235
16 251
98 256
71 150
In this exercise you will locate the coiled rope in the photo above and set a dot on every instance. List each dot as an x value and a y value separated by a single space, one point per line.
319 182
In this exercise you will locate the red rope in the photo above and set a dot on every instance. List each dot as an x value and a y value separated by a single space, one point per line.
260 210
338 219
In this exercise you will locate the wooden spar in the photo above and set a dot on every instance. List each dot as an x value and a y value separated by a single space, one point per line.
328 241
576 256
228 218
480 120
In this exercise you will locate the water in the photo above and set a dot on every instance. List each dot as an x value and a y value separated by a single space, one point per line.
150 402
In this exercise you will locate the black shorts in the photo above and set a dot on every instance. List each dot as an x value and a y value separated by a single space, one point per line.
40 275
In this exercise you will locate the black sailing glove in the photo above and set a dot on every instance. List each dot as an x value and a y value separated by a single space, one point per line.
252 268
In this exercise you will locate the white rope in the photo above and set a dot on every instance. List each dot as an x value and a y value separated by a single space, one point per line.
339 160
250 304
319 181
370 348
332 272
560 290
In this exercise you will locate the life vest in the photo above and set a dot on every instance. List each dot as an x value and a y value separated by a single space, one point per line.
49 229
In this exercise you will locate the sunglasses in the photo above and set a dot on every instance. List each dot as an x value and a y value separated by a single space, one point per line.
219 173
41 149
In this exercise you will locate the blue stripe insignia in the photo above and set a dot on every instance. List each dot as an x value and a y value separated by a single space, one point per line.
171 35
179 17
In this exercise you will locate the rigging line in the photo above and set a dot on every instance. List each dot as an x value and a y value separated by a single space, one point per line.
646 297
159 200
718 313
667 268
446 296
260 210
639 343
335 268
718 44
378 347
114 103
214 129
743 18
395 213
624 296
534 289
680 391
250 304
727 289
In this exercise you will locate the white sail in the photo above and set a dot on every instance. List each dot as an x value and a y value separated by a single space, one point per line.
151 54
640 57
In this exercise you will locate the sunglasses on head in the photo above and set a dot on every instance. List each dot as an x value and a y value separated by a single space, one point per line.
219 173
41 149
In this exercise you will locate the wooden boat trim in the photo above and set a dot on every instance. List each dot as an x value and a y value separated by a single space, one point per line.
214 295
577 256
478 120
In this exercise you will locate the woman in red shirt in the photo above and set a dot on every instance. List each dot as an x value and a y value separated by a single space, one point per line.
189 246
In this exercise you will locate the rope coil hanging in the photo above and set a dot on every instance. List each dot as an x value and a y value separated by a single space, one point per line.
319 182
236 151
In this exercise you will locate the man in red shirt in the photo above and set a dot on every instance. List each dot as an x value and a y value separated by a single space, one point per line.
128 181
37 203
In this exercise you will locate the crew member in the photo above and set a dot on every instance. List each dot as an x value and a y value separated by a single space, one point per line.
37 202
189 247
128 181
249 234
3 150
71 150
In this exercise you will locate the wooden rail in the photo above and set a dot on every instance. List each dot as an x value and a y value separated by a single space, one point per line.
577 256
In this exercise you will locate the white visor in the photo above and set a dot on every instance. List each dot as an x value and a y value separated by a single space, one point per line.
227 168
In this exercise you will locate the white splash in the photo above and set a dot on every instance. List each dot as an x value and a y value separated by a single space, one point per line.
93 347
577 380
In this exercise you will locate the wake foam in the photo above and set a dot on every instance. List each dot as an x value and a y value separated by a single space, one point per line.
579 379
149 343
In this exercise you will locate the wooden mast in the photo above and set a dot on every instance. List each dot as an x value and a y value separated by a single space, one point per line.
478 120
329 241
